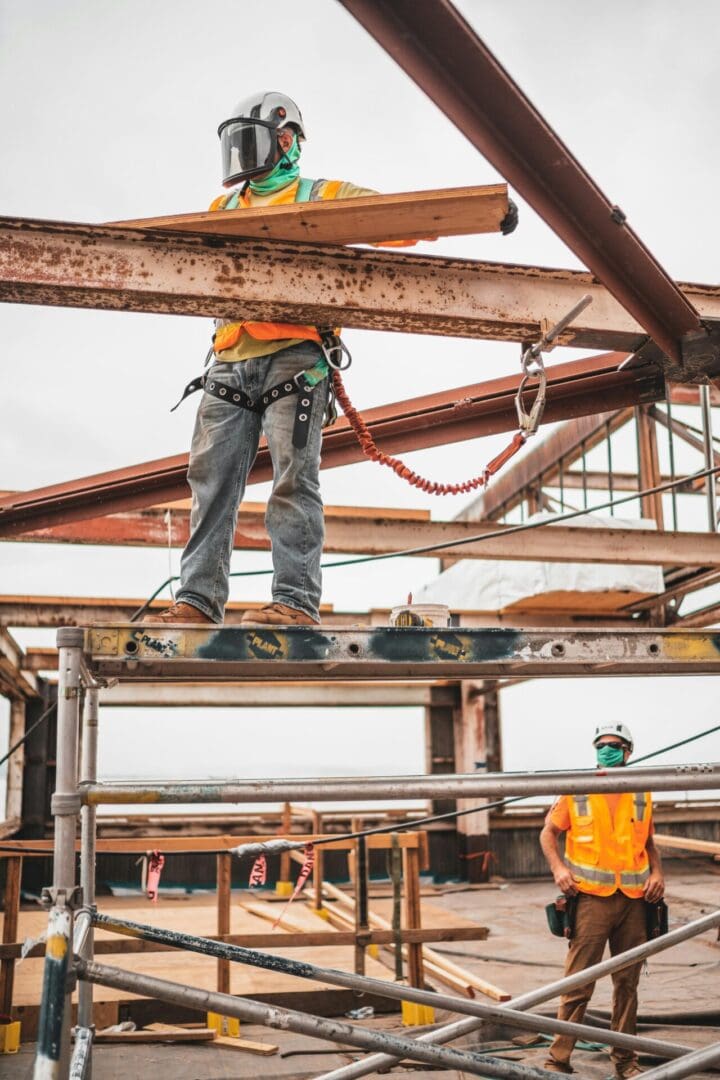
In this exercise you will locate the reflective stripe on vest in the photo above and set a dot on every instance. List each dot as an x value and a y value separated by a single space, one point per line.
591 873
640 803
581 802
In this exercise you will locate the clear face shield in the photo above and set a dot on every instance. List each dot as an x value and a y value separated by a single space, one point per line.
248 148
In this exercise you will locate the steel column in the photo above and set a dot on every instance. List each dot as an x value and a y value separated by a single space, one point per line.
709 456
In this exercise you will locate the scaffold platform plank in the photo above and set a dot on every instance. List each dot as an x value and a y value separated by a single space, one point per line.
146 652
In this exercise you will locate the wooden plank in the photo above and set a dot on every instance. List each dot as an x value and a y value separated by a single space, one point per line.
365 220
685 843
170 844
298 940
157 1033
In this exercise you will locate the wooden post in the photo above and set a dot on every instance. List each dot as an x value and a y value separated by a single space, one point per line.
319 866
477 749
361 903
224 867
16 763
440 760
413 920
13 874
649 465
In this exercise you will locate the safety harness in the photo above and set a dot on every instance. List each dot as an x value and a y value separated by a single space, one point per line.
336 358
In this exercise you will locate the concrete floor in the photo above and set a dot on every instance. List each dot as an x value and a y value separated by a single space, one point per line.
519 954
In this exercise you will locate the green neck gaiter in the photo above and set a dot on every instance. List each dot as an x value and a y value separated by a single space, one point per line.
285 171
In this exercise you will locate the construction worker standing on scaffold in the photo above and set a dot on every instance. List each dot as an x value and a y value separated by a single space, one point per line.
611 877
266 377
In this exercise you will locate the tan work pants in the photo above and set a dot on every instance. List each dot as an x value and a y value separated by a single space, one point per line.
600 919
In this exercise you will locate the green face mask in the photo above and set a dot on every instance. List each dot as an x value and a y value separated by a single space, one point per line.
285 171
608 757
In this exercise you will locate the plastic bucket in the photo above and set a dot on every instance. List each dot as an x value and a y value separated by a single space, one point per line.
420 615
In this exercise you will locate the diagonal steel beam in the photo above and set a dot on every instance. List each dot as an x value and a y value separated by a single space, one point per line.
441 52
432 420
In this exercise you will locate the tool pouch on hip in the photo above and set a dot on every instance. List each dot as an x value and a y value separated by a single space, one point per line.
656 919
561 916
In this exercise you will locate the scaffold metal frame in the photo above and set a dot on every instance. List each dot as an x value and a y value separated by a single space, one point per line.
87 658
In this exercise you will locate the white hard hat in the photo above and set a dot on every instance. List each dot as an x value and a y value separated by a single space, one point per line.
620 731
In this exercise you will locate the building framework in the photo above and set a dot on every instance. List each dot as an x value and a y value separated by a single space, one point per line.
666 349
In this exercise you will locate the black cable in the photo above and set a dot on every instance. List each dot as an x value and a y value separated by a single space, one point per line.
28 733
428 549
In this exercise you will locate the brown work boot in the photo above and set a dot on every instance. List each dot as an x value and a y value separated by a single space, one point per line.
627 1070
277 615
178 615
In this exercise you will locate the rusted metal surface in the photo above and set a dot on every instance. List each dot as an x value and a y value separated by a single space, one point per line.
184 652
561 543
467 412
57 263
437 48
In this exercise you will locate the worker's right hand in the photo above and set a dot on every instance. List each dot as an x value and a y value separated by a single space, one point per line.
565 881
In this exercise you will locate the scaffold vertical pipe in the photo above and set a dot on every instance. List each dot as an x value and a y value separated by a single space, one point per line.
88 773
52 1061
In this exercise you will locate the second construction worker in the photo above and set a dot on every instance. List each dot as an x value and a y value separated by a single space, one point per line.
612 868
268 378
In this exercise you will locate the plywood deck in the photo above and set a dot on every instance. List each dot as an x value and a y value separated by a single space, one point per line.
197 915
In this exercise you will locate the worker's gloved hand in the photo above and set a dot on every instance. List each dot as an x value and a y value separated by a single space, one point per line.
510 221
565 881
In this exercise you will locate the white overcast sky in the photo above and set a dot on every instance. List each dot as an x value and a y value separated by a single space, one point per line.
109 110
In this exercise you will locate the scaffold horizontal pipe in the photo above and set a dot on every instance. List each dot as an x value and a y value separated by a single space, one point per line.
693 1064
528 1000
698 777
384 988
317 1027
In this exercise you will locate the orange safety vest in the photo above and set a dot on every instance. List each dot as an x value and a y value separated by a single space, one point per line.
606 854
229 334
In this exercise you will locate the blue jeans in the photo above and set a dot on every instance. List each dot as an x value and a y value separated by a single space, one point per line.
224 445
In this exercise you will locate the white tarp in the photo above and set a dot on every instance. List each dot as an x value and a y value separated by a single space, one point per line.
490 585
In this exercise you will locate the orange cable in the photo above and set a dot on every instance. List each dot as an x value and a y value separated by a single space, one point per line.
432 487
